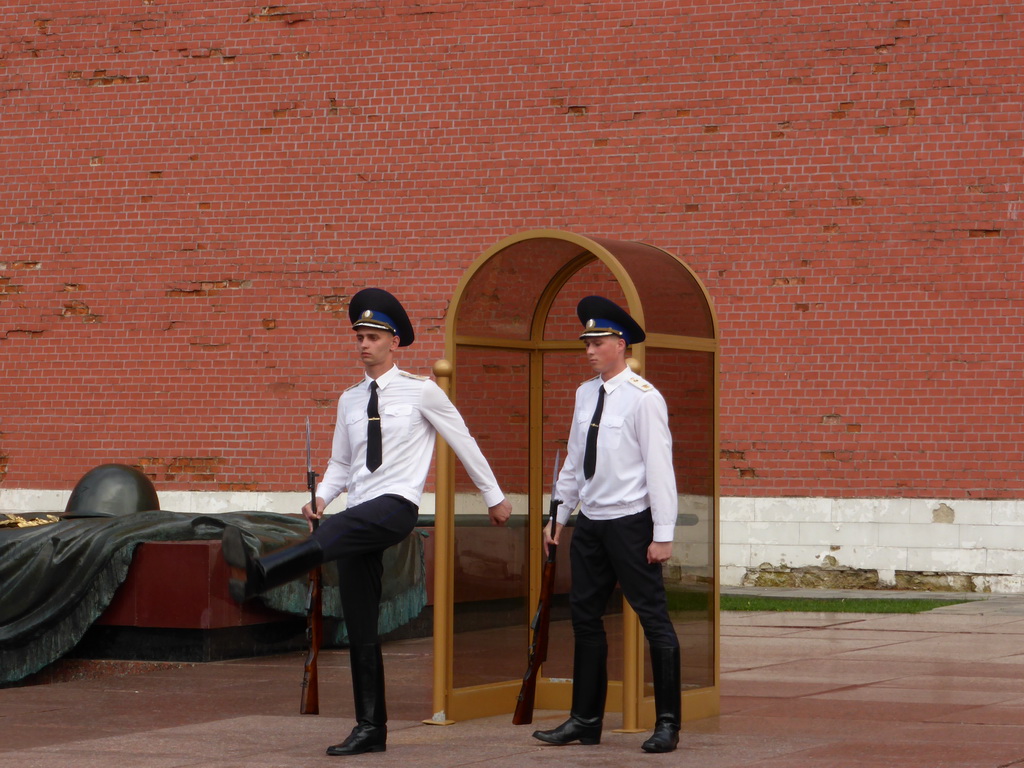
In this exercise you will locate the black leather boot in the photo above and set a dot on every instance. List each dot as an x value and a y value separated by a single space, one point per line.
667 700
271 570
589 689
371 731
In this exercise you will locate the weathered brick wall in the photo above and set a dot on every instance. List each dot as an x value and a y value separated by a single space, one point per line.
191 192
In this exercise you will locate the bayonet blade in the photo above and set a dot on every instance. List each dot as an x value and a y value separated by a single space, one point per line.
309 454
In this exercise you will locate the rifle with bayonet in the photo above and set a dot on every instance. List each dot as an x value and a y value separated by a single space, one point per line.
541 621
310 704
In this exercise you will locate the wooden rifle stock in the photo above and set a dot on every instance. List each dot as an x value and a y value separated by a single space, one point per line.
539 647
310 703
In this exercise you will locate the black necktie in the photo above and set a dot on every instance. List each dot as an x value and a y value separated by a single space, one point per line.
590 455
373 448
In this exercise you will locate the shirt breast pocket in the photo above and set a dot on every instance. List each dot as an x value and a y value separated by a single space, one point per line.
396 418
611 430
355 423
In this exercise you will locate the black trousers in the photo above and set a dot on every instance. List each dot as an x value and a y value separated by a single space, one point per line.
357 538
606 552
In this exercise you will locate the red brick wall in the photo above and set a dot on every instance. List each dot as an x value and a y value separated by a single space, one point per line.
191 192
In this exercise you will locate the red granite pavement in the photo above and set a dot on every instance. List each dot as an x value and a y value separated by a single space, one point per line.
799 690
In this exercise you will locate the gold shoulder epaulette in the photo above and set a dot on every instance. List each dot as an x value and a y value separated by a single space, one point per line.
354 386
412 376
639 383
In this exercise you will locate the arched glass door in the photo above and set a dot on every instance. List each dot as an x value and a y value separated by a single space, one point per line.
515 361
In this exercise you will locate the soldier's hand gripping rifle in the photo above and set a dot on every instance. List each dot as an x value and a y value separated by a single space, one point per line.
541 620
310 704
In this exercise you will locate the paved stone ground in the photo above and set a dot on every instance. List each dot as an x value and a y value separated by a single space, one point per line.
943 688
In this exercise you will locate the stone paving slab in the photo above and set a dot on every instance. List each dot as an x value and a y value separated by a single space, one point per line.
943 688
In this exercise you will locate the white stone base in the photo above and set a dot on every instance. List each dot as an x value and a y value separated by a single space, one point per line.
982 539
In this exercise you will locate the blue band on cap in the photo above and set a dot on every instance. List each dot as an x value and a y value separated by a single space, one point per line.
598 327
375 319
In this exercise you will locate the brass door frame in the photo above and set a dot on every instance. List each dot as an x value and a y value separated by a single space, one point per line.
451 704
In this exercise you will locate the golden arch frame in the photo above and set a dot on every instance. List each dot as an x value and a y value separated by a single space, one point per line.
553 258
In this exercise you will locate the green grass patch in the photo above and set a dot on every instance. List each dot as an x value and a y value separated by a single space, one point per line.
834 605
698 602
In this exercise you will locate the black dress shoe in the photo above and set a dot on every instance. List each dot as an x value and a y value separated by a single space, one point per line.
364 738
574 729
664 739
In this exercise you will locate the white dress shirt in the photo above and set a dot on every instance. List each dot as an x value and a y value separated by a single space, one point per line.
413 409
634 455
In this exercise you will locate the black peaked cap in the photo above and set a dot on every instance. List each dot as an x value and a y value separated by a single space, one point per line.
376 308
603 317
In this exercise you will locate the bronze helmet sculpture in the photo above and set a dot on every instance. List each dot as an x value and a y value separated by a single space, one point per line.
112 490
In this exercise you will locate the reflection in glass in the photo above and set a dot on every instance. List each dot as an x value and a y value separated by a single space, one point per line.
491 563
593 278
672 300
563 373
686 380
503 302
500 298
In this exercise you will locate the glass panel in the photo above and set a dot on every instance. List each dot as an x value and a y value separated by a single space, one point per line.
672 300
491 614
593 278
501 297
686 380
563 373
491 563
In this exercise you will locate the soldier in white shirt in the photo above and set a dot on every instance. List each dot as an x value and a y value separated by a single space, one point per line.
383 442
618 468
